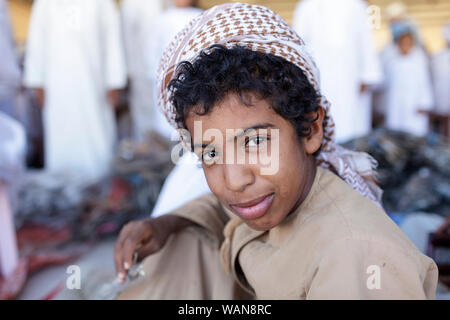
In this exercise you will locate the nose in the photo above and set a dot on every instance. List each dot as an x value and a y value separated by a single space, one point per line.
238 176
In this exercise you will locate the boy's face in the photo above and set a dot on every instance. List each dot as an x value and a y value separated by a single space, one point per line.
262 200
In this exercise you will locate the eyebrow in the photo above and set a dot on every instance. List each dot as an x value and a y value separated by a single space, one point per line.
255 127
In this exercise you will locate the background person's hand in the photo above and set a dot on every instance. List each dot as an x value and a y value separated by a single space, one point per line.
145 237
40 97
422 111
363 88
444 229
113 97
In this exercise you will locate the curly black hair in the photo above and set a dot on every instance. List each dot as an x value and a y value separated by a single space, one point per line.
219 71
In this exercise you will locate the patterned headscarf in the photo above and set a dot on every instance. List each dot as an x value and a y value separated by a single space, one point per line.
259 29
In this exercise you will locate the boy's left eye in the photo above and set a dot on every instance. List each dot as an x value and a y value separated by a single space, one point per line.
256 141
209 156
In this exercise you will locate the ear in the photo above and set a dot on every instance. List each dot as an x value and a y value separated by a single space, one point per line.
314 141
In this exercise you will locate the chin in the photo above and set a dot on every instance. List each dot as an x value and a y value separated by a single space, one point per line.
260 225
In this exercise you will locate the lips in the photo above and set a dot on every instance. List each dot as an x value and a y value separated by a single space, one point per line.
253 209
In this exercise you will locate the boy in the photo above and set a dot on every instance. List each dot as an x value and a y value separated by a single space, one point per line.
295 216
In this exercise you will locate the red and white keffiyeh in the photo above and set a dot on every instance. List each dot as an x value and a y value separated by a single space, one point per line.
260 29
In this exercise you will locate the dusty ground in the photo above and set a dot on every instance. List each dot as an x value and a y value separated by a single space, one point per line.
43 282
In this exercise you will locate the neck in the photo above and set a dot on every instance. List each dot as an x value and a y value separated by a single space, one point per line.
311 174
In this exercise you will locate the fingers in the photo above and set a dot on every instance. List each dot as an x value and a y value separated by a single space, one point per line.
118 256
128 250
132 237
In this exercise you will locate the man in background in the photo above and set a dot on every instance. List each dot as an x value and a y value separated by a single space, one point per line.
139 29
338 35
12 142
168 24
440 67
9 66
75 62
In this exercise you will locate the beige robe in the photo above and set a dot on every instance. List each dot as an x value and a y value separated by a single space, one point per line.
336 245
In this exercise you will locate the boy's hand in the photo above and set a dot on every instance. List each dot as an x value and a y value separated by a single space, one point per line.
144 237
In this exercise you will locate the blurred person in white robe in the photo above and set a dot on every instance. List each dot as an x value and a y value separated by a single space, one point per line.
169 23
440 68
408 89
9 64
338 35
75 61
139 18
186 181
12 155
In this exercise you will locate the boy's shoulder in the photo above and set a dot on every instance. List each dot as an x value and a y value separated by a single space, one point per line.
336 211
343 227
